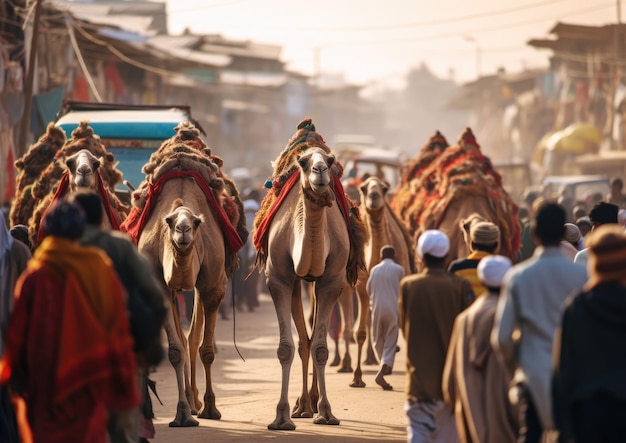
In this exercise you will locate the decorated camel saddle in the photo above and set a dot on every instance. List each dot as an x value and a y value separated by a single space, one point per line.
187 155
443 177
286 175
82 163
30 166
413 178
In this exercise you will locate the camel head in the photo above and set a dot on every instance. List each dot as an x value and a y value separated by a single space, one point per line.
315 177
183 225
83 166
373 193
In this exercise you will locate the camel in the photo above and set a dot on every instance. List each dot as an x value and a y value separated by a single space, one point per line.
384 228
180 225
45 165
30 167
302 233
453 184
79 172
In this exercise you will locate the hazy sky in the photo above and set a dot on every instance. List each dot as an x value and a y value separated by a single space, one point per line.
378 41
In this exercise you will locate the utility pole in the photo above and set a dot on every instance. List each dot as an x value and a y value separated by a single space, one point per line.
28 90
616 79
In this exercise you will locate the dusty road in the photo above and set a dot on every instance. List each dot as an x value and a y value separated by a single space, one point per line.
247 392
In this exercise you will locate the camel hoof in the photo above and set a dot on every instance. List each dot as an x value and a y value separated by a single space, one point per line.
321 420
210 413
301 411
370 362
357 384
188 423
282 426
302 414
336 361
346 365
183 417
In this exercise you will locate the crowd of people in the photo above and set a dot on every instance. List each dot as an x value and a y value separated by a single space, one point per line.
496 352
80 325
528 352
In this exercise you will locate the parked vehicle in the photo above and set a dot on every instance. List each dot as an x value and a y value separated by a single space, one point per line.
575 187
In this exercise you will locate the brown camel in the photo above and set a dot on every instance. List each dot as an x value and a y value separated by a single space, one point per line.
44 165
453 184
30 167
80 172
191 244
306 238
384 228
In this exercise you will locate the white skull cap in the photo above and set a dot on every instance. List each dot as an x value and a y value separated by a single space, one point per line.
433 242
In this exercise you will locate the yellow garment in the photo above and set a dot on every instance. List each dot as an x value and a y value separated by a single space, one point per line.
470 271
67 256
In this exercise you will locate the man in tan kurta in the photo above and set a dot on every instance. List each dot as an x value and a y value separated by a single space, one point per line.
475 385
428 304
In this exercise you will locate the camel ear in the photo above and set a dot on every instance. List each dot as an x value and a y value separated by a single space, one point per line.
385 187
330 161
303 161
169 220
363 189
71 164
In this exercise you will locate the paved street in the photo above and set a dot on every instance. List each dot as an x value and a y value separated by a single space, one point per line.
247 392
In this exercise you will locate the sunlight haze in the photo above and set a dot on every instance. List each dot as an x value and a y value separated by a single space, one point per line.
378 42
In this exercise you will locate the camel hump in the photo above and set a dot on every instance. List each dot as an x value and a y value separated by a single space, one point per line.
468 139
187 131
83 130
438 139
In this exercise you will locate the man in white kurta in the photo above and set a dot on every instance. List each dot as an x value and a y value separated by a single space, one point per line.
383 287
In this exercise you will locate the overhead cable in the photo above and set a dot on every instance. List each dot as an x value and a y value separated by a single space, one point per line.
81 61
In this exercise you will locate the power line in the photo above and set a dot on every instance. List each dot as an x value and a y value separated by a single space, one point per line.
443 21
199 8
474 31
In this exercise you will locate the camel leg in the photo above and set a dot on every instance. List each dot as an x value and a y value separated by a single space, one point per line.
211 302
370 355
281 295
319 348
177 354
195 331
334 327
347 323
303 407
361 332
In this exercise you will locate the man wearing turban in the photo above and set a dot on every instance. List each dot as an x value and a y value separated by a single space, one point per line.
483 239
588 386
475 385
428 304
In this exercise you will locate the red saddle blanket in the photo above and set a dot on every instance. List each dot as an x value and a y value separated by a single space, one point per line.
64 186
136 220
261 232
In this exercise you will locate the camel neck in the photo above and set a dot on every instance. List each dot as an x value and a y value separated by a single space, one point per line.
311 239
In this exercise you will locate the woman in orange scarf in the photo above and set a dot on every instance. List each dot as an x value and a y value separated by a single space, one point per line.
69 350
